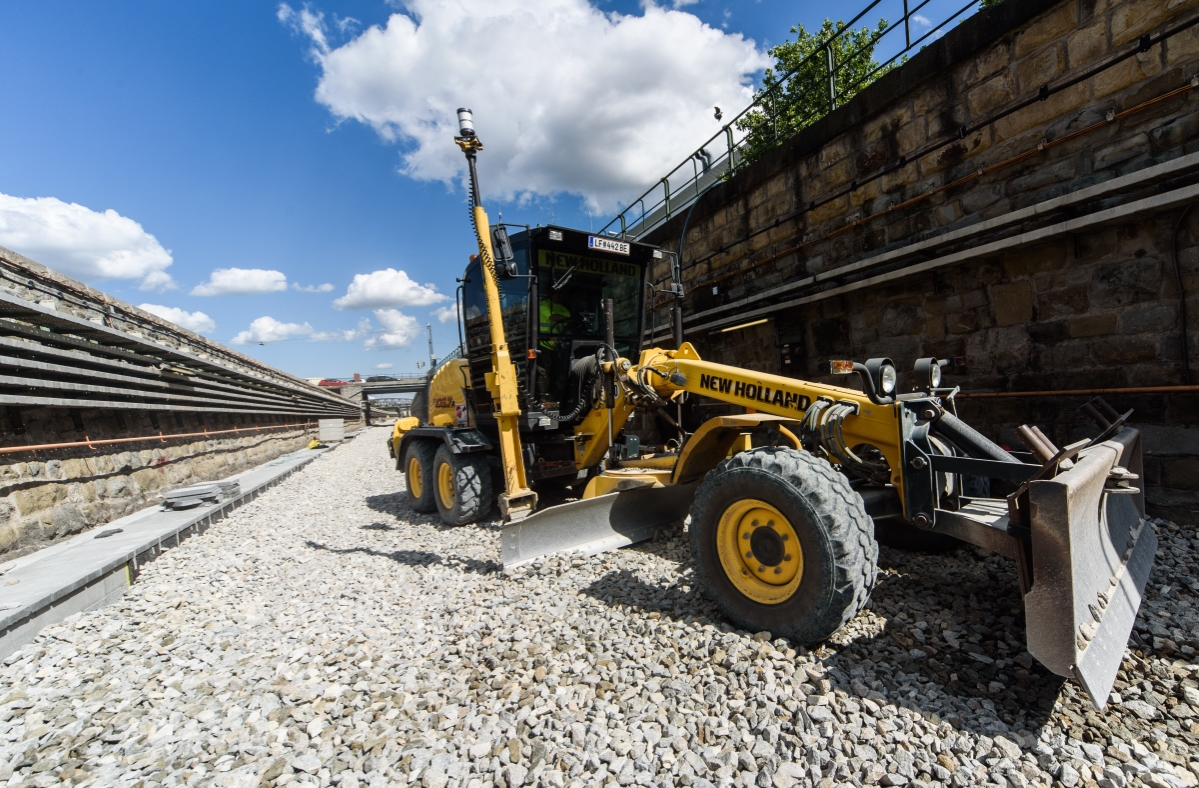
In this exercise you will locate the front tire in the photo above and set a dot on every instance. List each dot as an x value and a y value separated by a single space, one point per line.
463 485
418 475
782 543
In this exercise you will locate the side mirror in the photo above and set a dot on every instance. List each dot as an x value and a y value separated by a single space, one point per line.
505 258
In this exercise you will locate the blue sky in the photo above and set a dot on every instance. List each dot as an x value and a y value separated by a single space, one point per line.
200 126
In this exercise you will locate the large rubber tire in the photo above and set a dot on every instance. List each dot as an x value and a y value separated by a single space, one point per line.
421 453
469 479
839 555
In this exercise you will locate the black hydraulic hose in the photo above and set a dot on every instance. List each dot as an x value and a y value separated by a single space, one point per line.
969 439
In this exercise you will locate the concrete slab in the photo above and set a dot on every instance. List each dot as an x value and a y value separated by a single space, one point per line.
89 571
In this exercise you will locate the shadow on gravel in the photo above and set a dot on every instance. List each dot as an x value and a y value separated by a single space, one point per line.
399 506
951 642
415 557
377 527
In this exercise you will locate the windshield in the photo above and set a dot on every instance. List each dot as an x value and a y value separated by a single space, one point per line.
571 292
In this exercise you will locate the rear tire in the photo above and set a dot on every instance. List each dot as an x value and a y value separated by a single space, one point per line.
463 485
755 581
418 475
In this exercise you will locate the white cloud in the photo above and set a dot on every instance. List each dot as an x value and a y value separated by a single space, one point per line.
325 288
384 365
446 314
83 243
192 321
567 98
346 335
399 330
268 329
385 289
241 281
922 20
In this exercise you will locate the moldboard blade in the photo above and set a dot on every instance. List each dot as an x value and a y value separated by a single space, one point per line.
1092 553
596 525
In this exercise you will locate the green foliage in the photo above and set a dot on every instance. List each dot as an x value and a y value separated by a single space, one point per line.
785 106
985 4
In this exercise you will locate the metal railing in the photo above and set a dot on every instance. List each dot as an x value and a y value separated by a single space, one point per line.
703 168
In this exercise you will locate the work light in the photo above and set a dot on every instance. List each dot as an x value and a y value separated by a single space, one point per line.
466 122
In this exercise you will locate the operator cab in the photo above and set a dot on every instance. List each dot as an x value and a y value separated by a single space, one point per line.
551 297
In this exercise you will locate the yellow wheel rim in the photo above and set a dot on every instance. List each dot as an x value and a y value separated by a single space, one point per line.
445 485
760 551
414 480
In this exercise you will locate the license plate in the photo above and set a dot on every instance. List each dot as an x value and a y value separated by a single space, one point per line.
607 245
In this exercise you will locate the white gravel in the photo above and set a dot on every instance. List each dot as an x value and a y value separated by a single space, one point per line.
325 634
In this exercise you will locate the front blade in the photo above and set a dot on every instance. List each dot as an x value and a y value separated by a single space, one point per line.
595 525
1092 554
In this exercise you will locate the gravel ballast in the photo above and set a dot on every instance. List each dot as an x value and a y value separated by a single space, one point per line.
326 634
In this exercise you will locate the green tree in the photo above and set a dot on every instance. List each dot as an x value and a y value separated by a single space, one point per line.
795 92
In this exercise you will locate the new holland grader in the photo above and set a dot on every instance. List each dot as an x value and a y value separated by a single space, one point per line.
785 491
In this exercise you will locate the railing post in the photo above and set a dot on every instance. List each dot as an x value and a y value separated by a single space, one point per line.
832 79
728 136
907 30
622 226
774 115
666 191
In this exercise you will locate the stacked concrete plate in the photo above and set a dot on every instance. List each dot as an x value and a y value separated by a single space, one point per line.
209 492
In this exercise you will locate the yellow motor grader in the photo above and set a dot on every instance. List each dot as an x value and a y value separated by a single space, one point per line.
785 493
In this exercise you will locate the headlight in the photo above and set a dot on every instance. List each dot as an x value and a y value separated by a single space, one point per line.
928 374
881 372
887 378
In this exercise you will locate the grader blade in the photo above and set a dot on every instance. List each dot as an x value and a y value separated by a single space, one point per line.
1092 551
596 525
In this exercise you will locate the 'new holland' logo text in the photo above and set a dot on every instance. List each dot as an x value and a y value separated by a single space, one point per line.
755 392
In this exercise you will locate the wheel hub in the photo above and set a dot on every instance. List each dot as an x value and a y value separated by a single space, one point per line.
414 479
445 485
760 551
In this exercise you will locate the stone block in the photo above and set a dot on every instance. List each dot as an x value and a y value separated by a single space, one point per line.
1119 351
1127 73
38 499
1125 283
909 137
1180 473
835 151
977 68
1040 68
828 211
902 319
982 198
1042 112
1182 47
962 322
148 479
1035 259
991 95
1093 326
1046 333
1156 318
1056 24
1133 19
1087 45
934 95
1012 302
837 175
1062 302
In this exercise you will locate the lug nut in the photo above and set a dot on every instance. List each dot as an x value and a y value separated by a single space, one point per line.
761 569
778 570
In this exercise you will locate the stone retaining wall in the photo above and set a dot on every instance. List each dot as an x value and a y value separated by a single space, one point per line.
1096 309
46 495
